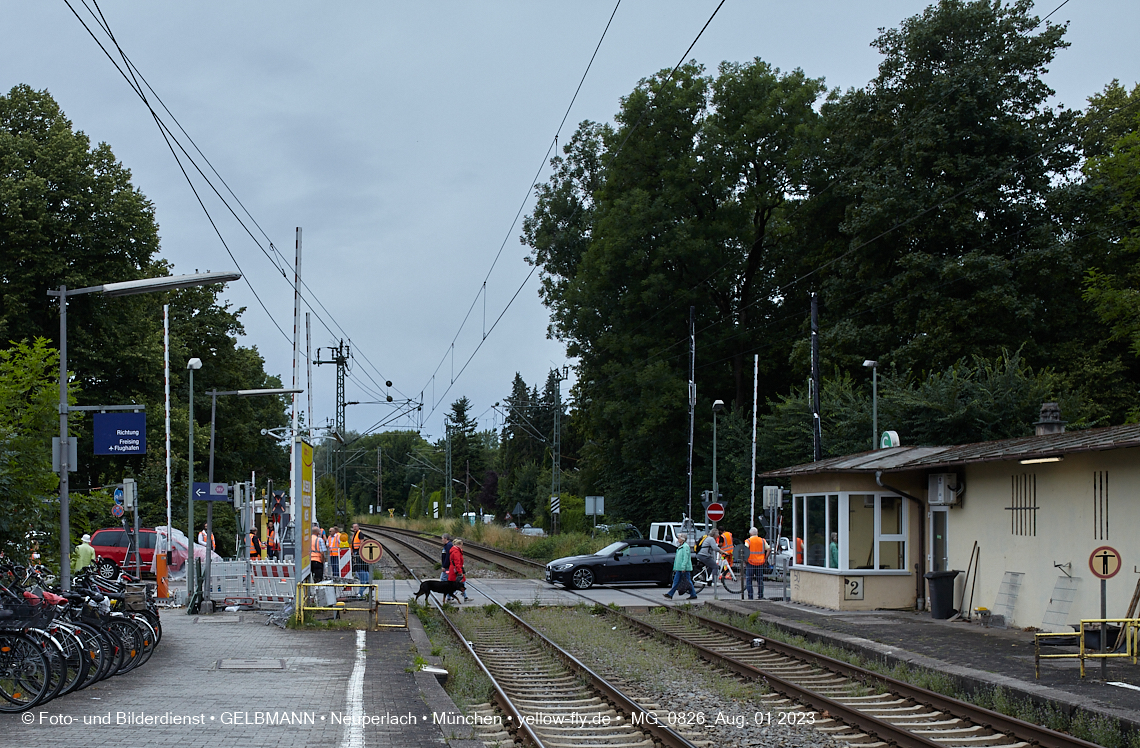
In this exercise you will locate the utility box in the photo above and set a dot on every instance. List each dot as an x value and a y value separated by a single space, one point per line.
942 489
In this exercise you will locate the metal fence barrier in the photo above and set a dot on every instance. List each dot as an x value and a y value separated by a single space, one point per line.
311 596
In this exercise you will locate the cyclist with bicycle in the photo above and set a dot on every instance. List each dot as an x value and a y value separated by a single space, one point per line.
708 551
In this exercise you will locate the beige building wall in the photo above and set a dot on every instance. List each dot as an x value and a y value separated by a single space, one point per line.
1065 530
826 590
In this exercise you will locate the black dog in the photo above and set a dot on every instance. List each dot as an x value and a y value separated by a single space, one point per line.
447 589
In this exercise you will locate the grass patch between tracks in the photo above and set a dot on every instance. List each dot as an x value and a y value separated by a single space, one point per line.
466 684
1094 728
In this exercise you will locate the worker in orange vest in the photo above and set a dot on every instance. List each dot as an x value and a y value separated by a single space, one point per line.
799 550
272 547
357 539
726 547
757 549
254 543
317 551
334 551
202 539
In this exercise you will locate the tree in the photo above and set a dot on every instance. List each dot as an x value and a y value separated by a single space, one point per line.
70 215
947 244
29 416
686 202
1112 171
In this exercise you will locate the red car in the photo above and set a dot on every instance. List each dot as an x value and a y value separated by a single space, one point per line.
111 545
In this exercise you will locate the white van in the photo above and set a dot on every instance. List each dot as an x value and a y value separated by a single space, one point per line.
668 532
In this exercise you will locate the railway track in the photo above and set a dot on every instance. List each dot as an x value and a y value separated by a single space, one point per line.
510 562
549 698
895 713
545 696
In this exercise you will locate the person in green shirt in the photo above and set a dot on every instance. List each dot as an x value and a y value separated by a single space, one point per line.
84 554
833 552
683 569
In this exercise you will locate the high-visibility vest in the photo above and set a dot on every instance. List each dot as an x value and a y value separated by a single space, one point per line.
356 540
799 550
202 540
726 542
254 544
271 540
315 549
756 554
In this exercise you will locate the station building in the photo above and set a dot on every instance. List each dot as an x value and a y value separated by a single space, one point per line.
1023 515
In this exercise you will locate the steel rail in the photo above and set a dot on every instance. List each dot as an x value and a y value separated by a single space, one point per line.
872 726
479 547
1010 726
662 733
501 696
505 703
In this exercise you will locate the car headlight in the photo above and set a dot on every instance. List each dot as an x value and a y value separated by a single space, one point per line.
560 567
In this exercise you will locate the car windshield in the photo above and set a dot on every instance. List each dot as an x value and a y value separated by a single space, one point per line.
611 549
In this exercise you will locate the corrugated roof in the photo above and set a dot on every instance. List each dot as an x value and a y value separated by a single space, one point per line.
1026 447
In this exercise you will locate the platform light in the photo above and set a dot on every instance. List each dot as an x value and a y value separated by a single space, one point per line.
1040 460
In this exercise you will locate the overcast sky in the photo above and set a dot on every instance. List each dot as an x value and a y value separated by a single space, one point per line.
403 138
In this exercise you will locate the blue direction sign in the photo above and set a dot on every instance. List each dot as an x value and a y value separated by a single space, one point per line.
120 433
118 496
211 492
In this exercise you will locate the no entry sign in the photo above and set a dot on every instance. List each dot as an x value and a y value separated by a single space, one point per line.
715 512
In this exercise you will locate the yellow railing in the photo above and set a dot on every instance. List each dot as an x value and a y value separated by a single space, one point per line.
1127 642
368 603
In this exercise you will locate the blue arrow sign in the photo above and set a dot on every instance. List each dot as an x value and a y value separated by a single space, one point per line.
119 495
211 492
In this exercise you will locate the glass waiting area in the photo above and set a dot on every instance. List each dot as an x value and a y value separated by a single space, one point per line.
842 532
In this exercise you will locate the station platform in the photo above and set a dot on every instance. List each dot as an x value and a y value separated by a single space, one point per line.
229 679
973 655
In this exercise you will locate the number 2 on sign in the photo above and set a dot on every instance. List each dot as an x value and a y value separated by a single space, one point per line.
852 588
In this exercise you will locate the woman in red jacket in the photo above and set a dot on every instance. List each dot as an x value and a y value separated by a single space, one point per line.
455 571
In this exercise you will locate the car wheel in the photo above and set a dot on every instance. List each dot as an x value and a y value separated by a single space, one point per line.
583 578
107 568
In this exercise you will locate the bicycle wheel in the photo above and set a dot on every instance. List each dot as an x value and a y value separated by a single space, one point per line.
95 650
701 577
75 662
730 578
57 665
25 672
148 636
131 638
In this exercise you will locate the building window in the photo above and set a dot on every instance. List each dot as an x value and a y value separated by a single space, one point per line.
1023 505
1100 505
850 531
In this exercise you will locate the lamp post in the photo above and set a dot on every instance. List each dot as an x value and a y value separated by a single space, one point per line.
122 288
718 406
191 366
214 394
874 367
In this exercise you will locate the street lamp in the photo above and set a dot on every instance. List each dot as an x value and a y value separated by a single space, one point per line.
192 366
718 406
874 367
122 288
214 394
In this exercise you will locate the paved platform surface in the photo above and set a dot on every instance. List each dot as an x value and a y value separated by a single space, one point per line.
307 702
998 656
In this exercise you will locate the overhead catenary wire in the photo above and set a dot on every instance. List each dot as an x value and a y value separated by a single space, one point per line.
132 75
510 231
436 402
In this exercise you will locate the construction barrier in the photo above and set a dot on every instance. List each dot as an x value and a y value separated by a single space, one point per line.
273 581
322 596
230 580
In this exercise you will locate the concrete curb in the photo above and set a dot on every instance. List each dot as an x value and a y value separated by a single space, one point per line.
437 699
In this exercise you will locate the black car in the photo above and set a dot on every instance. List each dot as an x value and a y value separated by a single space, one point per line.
635 560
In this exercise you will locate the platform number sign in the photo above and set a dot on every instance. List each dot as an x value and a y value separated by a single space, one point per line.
1104 562
852 588
371 551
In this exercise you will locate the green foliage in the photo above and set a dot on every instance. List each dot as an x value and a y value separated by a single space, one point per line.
29 417
69 215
